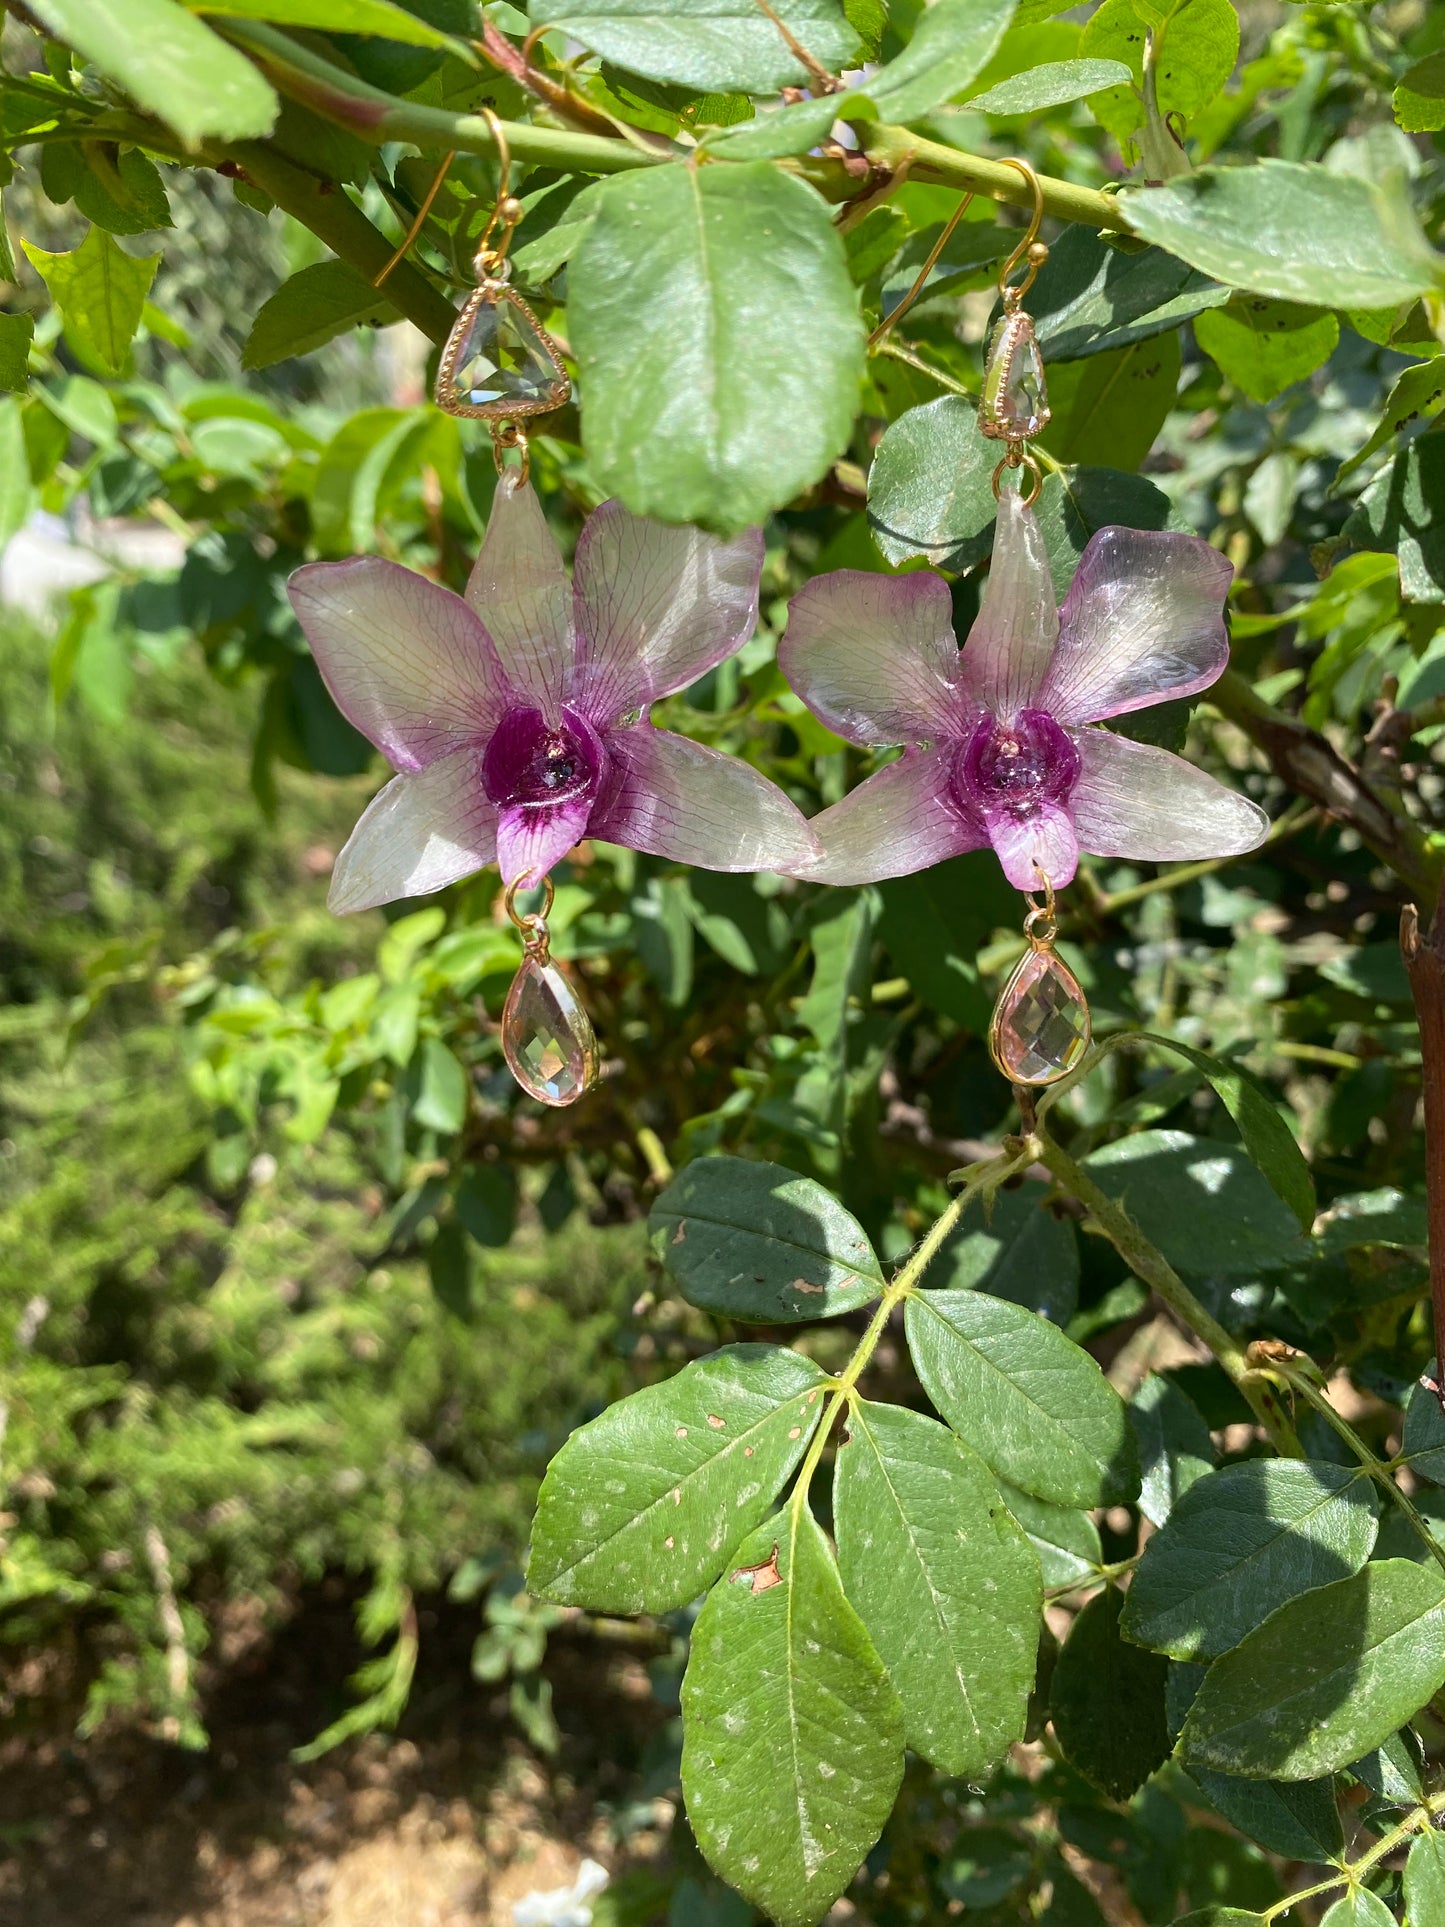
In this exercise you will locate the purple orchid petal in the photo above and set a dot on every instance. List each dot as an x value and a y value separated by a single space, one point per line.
1143 622
1034 847
531 837
407 661
874 656
422 832
520 590
1133 800
903 819
656 607
1009 648
672 798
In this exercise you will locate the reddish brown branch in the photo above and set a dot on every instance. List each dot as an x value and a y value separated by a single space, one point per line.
1425 966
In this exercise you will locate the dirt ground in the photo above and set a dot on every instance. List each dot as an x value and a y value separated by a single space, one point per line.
443 1824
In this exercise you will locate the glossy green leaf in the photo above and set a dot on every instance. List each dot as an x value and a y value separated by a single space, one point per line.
776 133
1197 44
1420 96
1203 1203
792 1732
930 487
1359 1908
944 1580
1028 1400
1425 1880
753 1240
1065 1539
1107 1702
1242 1542
1049 85
713 46
1021 1252
691 282
1394 1770
1221 1917
17 331
1093 294
126 197
1417 396
1403 510
1293 230
952 41
1297 1818
1423 1443
642 1507
1175 1449
1109 407
314 306
1324 1679
16 493
1265 346
383 17
169 62
100 291
935 923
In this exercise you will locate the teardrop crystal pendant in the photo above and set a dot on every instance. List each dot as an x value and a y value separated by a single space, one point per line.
547 1036
1015 402
499 364
1041 1025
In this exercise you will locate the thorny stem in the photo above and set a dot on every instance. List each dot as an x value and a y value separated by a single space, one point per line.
1349 1875
986 1176
1150 1265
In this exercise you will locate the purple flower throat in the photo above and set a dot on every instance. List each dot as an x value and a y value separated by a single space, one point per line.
530 762
1014 769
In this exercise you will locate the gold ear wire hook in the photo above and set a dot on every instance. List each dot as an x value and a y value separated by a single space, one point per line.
896 314
422 212
1031 246
489 260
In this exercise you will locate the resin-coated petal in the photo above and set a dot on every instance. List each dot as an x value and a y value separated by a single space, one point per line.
498 364
520 590
407 661
874 656
1010 647
673 798
1040 1027
1040 845
656 607
419 834
1133 800
1143 622
898 821
547 1036
531 837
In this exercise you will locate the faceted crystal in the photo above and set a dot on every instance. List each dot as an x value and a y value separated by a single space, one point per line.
498 361
1015 399
547 1036
1040 1026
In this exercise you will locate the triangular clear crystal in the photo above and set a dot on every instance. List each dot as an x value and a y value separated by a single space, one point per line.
498 363
547 1036
1015 401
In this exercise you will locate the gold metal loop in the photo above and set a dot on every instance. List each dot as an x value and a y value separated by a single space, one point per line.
897 314
1041 923
532 923
1030 247
507 435
488 260
420 221
1020 456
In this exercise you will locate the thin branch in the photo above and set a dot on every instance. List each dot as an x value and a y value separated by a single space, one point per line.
1425 966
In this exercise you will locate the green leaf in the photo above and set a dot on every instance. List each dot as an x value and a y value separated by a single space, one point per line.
944 1580
1022 1252
792 1746
100 291
1403 510
753 1240
169 62
930 487
711 46
776 133
1294 230
1196 46
1203 1203
1420 96
311 308
1222 1917
1297 1818
1107 1702
1049 85
17 331
642 1507
126 198
1264 346
16 493
1028 1400
1111 406
690 283
1066 1540
1242 1542
1267 1137
1423 1444
936 922
1417 396
1394 1770
382 17
485 1201
440 1103
1425 1880
952 42
1326 1678
1094 294
1359 1908
1175 1449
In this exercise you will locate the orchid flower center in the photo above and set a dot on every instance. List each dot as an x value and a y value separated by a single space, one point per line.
530 762
1015 768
